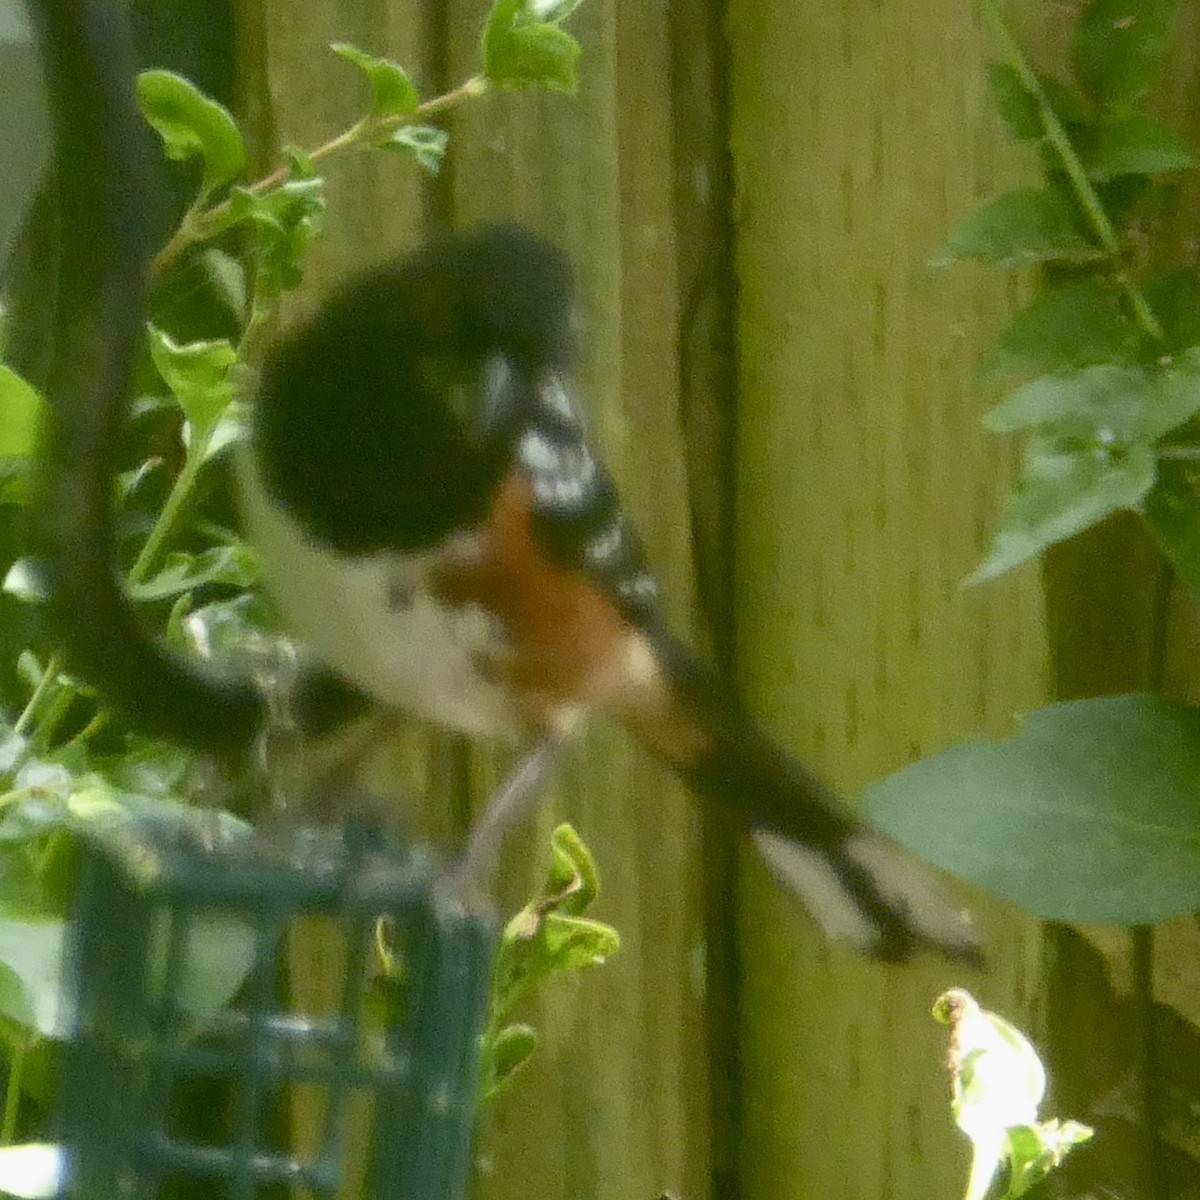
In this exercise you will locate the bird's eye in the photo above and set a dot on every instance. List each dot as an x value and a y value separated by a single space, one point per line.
483 397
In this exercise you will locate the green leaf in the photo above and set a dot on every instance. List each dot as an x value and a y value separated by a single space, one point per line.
1079 402
284 221
1071 109
218 955
392 92
23 582
1018 107
31 953
1065 488
197 374
190 123
1172 512
1087 814
572 884
519 50
13 749
505 1055
232 427
1177 394
1120 48
20 412
1175 300
425 141
1105 404
570 943
148 767
234 566
227 277
1035 1150
1135 144
1018 229
1021 110
14 481
21 892
549 935
300 162
1070 325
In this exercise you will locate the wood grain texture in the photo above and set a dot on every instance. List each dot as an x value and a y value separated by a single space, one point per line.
615 1103
294 90
867 490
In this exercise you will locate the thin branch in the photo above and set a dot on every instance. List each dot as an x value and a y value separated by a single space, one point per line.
199 225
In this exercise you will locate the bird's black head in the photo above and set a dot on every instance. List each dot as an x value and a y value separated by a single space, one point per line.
387 420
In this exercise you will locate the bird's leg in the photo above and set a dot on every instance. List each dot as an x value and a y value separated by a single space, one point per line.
505 808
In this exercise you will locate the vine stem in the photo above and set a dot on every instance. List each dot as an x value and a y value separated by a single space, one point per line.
199 224
44 686
1058 137
184 481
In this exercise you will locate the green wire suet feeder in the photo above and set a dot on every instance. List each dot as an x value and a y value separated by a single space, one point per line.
143 898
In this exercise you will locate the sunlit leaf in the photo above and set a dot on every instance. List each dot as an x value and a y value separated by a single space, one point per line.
33 1171
24 582
997 1085
31 953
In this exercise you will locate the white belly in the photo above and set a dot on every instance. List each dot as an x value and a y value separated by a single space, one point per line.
373 620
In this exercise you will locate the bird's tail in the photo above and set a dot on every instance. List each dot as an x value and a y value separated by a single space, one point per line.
861 888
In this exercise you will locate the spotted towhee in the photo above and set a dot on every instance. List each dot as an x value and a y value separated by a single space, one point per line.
435 527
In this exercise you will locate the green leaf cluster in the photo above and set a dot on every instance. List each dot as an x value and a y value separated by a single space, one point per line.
49 798
1103 370
550 936
1108 352
523 45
